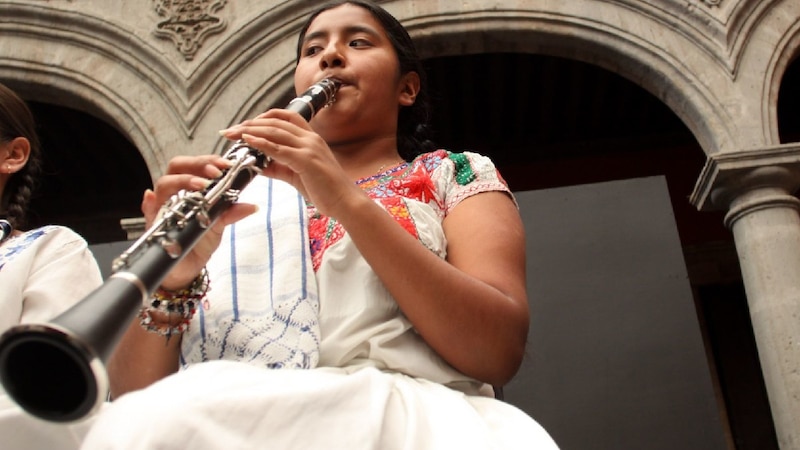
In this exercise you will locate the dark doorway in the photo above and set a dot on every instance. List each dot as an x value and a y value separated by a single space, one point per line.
93 176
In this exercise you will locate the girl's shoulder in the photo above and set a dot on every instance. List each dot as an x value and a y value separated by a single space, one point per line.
51 235
44 243
431 161
459 175
56 232
462 167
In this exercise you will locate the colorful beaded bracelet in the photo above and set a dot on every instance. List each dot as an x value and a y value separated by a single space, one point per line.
182 303
164 329
196 291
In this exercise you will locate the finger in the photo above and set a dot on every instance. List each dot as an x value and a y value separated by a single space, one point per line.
168 185
266 147
273 119
150 206
234 213
286 115
281 172
209 166
279 114
278 143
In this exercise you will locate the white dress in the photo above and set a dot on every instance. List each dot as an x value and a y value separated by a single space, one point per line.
42 273
376 385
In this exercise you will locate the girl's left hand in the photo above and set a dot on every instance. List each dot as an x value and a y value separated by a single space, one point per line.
300 157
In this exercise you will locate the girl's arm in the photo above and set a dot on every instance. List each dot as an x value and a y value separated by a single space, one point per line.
472 308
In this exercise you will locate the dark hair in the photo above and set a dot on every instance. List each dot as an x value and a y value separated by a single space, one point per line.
16 120
412 122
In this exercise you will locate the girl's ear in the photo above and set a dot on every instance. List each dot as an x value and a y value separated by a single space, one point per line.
18 150
409 88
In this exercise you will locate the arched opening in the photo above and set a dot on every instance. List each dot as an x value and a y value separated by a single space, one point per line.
551 122
546 121
93 176
789 104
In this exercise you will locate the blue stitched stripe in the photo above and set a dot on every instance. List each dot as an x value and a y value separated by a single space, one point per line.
234 292
270 240
234 276
301 213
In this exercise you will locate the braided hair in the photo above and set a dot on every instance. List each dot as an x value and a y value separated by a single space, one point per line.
16 120
413 135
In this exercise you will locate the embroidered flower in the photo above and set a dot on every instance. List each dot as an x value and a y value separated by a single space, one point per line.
440 179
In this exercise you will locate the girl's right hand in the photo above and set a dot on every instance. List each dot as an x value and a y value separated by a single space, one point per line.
192 173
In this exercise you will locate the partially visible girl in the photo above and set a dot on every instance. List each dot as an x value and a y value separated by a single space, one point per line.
43 271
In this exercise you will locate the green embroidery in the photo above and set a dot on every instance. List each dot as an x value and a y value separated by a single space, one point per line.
464 173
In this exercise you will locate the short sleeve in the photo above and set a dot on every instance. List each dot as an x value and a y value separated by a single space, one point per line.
62 272
462 175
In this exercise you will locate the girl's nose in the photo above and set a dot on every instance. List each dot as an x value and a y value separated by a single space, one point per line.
331 57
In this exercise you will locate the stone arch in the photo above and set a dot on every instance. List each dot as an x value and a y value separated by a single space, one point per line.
167 109
648 66
42 83
689 56
690 61
93 66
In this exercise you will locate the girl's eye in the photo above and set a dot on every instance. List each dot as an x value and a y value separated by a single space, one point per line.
312 50
359 43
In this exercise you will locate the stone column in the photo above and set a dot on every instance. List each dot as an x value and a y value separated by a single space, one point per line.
757 187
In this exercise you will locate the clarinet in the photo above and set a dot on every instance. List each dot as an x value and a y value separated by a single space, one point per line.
80 340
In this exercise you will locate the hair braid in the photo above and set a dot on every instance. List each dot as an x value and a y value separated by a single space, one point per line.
20 190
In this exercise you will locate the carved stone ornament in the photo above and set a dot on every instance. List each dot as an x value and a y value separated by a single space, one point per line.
188 22
712 2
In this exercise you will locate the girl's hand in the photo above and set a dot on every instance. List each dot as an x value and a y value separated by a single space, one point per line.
300 157
192 173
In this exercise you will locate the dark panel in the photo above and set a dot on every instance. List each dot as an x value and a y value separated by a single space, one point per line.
616 358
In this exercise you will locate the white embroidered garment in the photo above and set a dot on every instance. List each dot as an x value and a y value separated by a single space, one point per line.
377 385
226 405
263 304
43 272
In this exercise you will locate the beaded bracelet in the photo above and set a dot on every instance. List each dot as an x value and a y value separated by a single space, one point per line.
183 303
165 329
196 291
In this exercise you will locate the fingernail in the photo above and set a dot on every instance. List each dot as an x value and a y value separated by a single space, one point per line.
215 172
200 183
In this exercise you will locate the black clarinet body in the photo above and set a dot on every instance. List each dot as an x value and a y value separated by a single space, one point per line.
56 370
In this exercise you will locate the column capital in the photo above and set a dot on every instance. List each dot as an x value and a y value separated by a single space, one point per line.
133 227
727 176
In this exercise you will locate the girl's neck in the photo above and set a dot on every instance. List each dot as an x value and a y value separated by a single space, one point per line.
361 160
